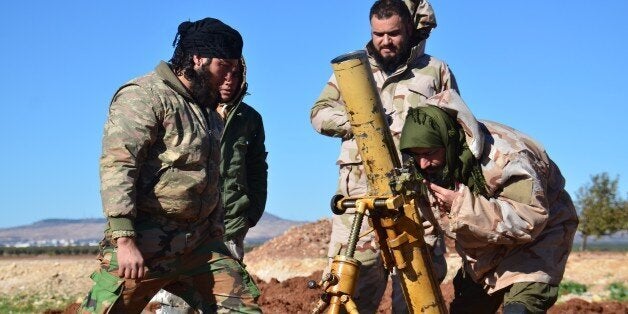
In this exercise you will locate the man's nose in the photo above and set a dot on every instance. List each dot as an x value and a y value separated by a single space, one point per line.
229 76
387 40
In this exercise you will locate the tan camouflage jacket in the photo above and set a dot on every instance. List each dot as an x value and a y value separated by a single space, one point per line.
422 76
160 156
524 230
411 84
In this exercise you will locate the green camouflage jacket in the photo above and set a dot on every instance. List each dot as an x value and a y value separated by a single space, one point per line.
243 167
522 232
160 155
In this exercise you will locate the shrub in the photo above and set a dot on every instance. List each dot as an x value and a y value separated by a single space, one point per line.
619 292
570 287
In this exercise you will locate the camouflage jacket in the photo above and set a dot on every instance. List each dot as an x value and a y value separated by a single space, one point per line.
160 156
422 76
243 167
423 16
524 229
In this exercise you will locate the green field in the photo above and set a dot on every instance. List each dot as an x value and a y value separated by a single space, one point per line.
23 303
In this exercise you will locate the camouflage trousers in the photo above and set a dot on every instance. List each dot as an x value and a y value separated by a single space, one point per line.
521 297
183 261
172 304
373 277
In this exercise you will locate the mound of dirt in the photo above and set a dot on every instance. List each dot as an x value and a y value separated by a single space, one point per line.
292 295
285 264
299 252
288 296
309 240
579 306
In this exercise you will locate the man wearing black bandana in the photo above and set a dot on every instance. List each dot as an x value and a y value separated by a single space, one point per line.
159 184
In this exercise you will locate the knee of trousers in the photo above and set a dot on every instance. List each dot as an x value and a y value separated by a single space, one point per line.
536 297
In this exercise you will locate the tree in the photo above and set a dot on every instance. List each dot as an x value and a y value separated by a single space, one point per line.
602 210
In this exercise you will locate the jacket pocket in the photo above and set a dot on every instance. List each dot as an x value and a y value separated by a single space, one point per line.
419 91
105 292
416 93
106 281
236 199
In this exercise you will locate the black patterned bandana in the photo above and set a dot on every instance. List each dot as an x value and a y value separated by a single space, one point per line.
209 38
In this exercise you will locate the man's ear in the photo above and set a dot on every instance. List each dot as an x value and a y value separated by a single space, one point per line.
198 60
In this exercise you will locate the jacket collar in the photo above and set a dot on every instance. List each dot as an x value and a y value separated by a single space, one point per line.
416 52
165 72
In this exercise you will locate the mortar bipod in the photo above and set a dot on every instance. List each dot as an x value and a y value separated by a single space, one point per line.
339 284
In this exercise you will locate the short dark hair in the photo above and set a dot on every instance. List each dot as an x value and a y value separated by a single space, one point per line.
384 9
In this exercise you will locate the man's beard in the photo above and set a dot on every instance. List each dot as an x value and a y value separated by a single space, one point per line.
390 64
440 177
202 90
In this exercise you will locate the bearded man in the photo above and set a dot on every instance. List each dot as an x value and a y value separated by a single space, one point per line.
405 76
160 188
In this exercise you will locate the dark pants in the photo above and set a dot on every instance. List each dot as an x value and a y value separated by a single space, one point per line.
521 297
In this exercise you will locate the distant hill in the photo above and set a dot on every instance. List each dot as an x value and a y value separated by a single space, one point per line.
90 231
268 227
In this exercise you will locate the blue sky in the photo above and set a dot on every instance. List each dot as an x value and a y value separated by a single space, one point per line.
553 69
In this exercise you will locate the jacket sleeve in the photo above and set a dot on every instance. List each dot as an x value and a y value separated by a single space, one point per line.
328 115
257 172
448 80
517 213
129 130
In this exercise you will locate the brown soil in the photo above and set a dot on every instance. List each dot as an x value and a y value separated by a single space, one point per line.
579 306
291 296
283 266
283 280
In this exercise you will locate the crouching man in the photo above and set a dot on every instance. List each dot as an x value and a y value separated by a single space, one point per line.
504 203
